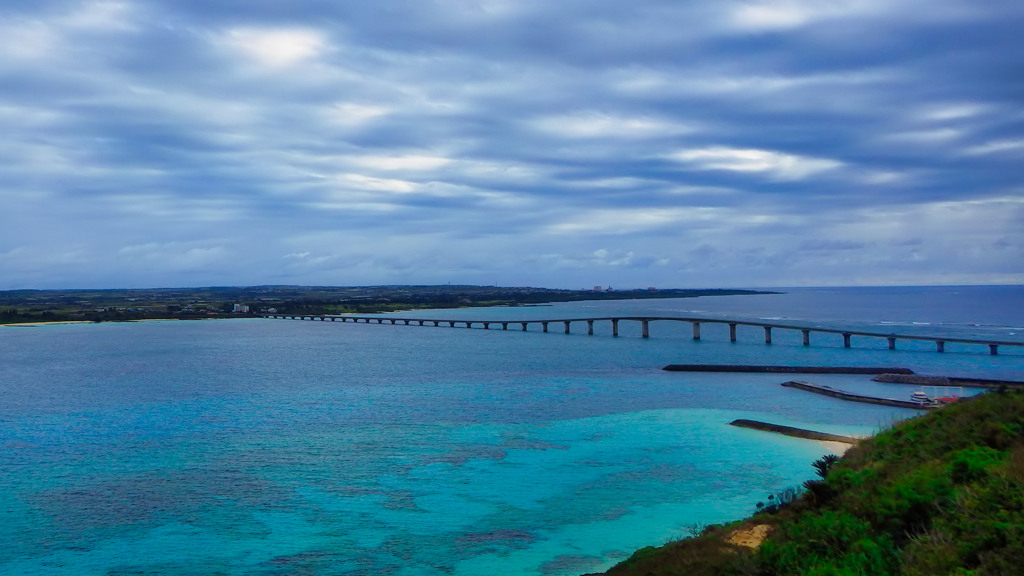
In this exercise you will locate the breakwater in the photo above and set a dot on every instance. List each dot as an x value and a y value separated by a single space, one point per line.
787 369
827 391
920 380
791 431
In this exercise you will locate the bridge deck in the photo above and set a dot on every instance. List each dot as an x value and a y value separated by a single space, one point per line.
940 341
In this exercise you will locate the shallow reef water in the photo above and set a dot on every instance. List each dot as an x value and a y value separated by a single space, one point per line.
265 447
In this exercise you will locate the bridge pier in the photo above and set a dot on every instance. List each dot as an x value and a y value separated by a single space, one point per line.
695 323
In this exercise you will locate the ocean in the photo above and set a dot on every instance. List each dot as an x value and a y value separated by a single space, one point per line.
273 447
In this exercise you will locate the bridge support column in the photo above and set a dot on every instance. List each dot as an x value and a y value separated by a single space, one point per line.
436 323
566 326
451 324
504 325
892 342
696 330
645 328
421 322
524 325
767 334
846 339
392 322
940 346
380 320
807 337
993 349
545 325
333 319
469 324
487 325
590 327
732 332
615 326
406 322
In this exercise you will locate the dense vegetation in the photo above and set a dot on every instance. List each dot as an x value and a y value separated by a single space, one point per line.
942 494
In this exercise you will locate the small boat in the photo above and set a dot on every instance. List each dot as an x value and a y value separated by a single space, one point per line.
920 396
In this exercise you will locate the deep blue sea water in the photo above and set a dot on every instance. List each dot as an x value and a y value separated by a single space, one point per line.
267 447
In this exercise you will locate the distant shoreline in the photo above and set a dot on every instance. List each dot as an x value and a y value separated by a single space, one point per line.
26 307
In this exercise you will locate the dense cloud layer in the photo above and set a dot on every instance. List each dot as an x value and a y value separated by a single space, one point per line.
571 143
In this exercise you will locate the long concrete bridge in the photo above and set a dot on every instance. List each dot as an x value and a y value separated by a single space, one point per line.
645 322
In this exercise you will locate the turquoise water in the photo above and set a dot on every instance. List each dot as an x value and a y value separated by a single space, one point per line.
284 447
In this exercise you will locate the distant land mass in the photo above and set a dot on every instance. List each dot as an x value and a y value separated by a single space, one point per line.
116 305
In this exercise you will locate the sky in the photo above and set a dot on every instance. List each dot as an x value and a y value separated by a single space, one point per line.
555 143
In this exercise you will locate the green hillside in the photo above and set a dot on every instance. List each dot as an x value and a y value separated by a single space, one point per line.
942 494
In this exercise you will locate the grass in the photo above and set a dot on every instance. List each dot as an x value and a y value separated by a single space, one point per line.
942 494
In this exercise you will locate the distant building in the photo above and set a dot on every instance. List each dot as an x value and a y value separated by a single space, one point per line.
240 308
597 288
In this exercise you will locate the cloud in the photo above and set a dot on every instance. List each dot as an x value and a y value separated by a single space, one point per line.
410 141
275 48
997 147
776 165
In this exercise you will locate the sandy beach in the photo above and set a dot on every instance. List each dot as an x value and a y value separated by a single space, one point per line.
837 448
31 324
